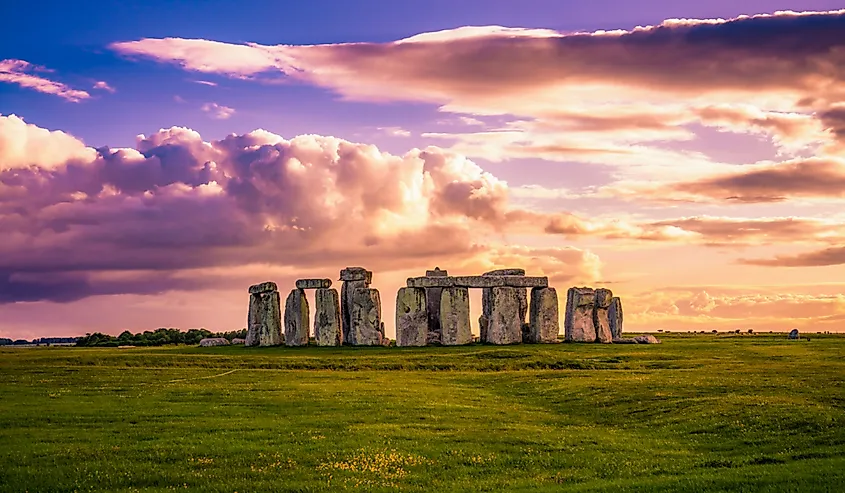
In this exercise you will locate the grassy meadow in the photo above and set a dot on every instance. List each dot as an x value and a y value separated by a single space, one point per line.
696 413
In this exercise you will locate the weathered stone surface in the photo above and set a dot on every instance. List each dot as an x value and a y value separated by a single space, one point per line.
578 322
356 274
264 322
327 331
647 339
214 341
296 319
505 272
238 340
482 327
614 317
478 282
313 283
365 327
411 317
432 300
264 287
793 334
454 317
601 319
346 290
624 341
503 324
544 324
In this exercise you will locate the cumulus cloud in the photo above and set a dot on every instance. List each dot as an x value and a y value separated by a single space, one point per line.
218 111
79 222
26 75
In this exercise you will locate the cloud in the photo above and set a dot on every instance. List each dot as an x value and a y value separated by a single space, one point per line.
217 111
613 98
395 131
104 86
760 308
676 57
23 73
81 222
819 258
206 83
773 182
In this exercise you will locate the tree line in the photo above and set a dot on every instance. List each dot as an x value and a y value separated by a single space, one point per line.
158 337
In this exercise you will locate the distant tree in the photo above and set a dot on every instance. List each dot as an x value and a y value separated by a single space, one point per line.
5 342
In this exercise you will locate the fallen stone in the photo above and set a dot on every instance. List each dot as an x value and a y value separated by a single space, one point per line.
544 322
503 325
214 341
454 317
327 330
578 322
296 319
411 317
238 340
647 339
264 287
313 283
601 320
356 274
365 327
478 282
614 316
793 334
264 322
624 341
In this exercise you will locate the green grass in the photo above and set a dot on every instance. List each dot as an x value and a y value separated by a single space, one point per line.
697 413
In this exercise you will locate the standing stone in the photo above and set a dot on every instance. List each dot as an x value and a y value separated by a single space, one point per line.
327 318
578 322
365 318
432 300
454 317
503 325
614 316
601 316
544 325
523 294
296 319
264 321
353 278
411 317
793 335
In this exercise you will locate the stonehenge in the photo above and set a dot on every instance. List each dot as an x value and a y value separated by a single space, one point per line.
505 305
327 328
264 322
592 315
432 310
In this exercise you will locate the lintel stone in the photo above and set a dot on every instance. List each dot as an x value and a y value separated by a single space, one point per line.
478 282
313 283
264 287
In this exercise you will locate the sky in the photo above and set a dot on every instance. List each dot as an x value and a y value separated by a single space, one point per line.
158 158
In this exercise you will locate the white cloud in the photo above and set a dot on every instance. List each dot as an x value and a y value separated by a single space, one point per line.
217 111
21 72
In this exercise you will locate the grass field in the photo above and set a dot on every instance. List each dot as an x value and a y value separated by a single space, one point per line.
697 413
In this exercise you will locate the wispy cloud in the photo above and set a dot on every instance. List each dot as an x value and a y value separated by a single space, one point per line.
25 74
104 86
218 111
206 83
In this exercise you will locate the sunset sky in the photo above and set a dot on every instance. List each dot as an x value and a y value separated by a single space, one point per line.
156 159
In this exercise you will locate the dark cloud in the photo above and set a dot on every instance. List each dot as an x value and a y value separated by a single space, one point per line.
800 178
